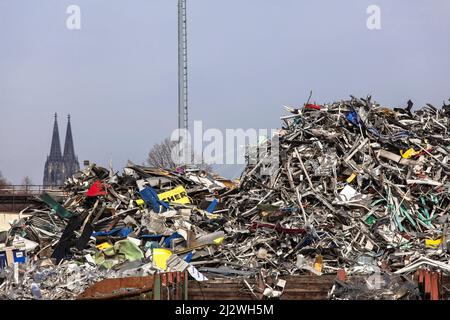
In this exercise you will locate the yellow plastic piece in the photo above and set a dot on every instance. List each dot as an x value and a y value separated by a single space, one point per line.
176 195
160 256
218 240
318 263
140 202
409 153
351 178
430 243
104 245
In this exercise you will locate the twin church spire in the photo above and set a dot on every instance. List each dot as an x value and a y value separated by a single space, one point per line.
59 166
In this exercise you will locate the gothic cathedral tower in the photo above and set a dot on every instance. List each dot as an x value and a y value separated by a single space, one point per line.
70 160
58 166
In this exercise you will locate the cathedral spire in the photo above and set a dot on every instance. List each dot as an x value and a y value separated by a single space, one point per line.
71 164
55 149
69 150
58 167
54 166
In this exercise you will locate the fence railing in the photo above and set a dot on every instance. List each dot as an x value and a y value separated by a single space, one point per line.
27 189
14 198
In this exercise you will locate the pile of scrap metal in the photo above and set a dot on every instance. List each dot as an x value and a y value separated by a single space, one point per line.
44 280
424 284
380 286
358 186
141 222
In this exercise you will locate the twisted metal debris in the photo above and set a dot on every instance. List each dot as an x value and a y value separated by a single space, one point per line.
359 186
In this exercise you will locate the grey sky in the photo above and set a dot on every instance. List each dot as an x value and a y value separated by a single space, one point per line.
117 76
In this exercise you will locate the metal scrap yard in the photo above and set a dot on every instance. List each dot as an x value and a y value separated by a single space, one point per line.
224 159
357 190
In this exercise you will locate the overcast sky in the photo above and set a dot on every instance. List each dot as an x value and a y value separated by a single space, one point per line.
117 76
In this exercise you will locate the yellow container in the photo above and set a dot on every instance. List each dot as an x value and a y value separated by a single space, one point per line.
160 256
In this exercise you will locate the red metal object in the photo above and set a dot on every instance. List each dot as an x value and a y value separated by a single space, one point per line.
96 189
429 283
435 285
341 275
423 152
178 285
312 106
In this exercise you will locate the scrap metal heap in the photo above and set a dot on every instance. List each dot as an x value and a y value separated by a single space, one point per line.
358 187
141 222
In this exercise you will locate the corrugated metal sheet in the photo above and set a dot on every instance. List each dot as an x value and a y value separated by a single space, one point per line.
167 287
297 288
446 287
164 286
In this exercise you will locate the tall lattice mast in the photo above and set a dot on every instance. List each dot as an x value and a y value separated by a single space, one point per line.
182 67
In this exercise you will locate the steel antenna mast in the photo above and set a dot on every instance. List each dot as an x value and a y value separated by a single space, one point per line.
182 68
